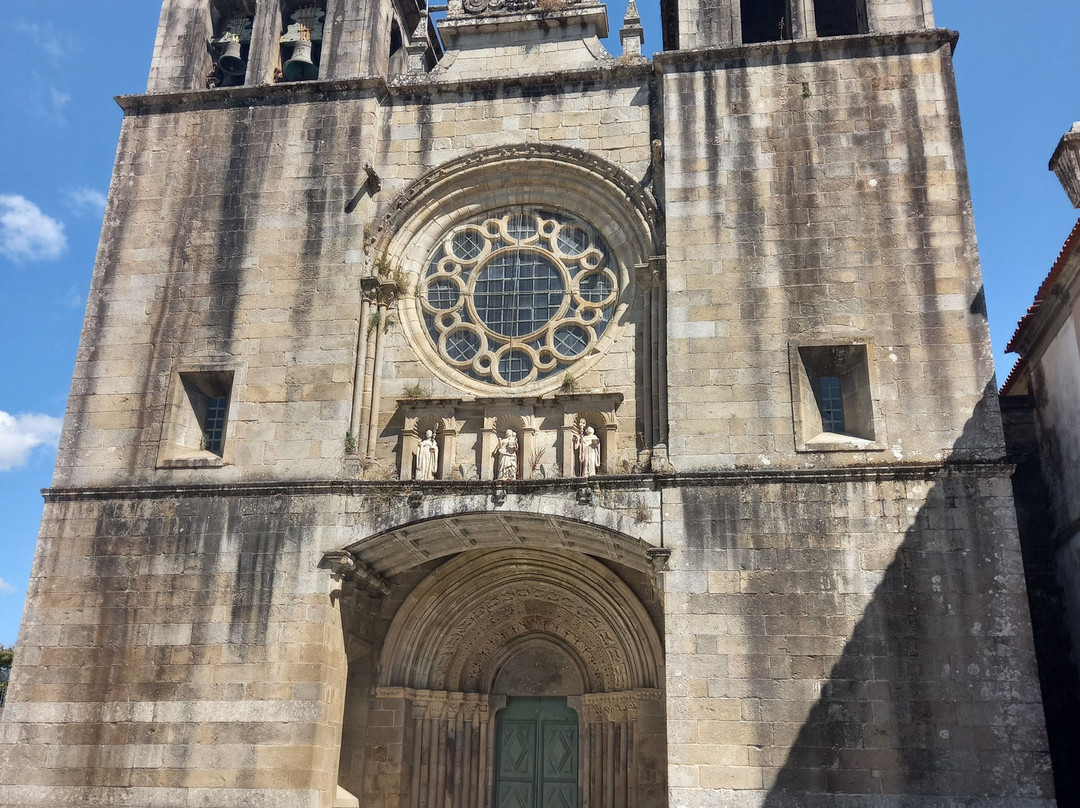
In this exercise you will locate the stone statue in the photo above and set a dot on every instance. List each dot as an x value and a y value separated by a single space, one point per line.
427 457
506 459
587 444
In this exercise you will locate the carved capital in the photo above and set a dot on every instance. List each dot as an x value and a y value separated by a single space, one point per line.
345 565
658 558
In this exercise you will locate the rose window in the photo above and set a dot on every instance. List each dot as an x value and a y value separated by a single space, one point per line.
518 296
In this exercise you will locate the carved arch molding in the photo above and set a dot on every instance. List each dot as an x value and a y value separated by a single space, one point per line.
489 625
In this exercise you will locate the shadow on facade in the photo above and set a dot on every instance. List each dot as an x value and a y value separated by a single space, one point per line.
934 692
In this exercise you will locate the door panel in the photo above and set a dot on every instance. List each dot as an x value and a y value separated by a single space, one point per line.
537 750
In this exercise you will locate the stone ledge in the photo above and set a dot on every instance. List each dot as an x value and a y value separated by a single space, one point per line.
725 477
377 87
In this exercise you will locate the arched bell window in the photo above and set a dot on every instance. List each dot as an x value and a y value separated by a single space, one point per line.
765 21
840 17
301 40
397 63
231 44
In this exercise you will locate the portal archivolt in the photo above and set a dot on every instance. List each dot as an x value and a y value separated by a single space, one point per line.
492 637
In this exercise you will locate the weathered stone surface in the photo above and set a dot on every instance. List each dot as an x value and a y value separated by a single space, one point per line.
778 612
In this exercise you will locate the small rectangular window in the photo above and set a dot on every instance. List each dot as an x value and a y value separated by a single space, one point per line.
195 432
832 398
214 428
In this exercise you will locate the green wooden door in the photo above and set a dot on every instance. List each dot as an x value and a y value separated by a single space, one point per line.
537 755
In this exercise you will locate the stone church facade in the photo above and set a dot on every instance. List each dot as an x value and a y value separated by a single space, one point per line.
467 416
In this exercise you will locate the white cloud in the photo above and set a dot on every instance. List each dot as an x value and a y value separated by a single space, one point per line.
21 434
87 200
27 234
59 99
45 37
73 298
6 588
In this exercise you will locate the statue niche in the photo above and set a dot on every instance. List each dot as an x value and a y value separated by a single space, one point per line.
509 439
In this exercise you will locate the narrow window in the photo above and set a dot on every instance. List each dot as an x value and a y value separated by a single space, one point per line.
832 404
839 17
397 50
765 21
207 394
214 425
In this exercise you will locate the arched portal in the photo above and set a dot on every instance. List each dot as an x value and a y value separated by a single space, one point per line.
478 669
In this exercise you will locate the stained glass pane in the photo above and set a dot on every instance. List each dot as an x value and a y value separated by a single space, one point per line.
595 288
514 366
461 346
468 244
518 292
832 404
573 240
571 340
442 294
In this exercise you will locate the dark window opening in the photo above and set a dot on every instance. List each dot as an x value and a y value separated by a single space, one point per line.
840 17
765 21
397 63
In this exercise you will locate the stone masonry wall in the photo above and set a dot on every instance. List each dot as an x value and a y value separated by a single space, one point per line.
230 244
825 199
864 638
176 650
716 23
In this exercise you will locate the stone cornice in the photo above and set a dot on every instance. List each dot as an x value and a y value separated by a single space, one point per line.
627 482
615 72
404 87
794 50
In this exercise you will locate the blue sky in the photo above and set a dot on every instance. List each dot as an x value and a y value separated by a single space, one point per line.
1017 67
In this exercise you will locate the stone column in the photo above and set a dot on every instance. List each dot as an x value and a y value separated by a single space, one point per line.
356 422
527 448
489 439
410 440
451 428
803 24
568 458
264 52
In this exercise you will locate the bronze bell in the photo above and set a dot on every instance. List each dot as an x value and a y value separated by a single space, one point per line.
300 67
230 61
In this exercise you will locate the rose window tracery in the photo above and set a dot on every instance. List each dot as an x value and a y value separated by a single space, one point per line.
517 296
